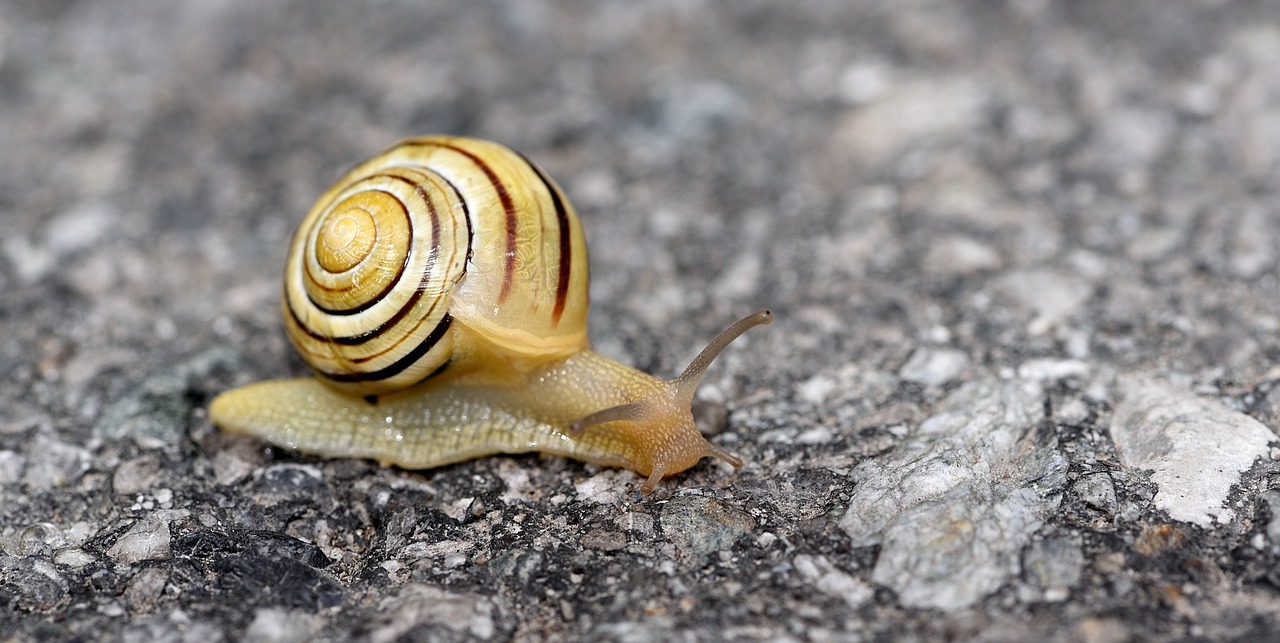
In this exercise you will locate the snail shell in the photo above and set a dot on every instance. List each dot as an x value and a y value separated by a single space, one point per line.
439 293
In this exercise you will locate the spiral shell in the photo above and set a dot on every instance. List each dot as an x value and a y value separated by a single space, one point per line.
457 264
429 254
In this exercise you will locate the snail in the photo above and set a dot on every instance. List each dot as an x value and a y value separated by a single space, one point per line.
438 291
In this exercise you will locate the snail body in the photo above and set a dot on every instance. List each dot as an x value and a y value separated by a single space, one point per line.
438 291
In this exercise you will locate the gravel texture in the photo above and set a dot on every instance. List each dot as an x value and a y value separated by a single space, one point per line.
1022 382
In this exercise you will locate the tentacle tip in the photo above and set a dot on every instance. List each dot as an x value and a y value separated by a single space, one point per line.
652 482
763 317
575 429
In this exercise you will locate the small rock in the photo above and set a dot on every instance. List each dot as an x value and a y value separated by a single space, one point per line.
711 416
53 463
956 188
693 109
701 526
863 82
177 627
1051 296
816 435
958 549
1097 491
73 557
958 255
1151 244
145 589
289 478
830 580
235 456
463 509
1054 565
1196 448
29 260
516 484
602 488
954 504
1251 251
905 115
1103 630
1132 136
80 532
1071 411
815 389
417 606
436 551
38 539
149 539
276 625
79 228
523 564
654 629
1050 370
136 475
604 540
934 366
11 465
1157 539
1272 498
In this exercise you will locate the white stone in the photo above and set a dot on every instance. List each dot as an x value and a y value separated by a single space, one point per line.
833 581
11 466
1051 296
863 82
30 261
278 625
148 539
934 366
53 463
959 255
79 228
1044 370
954 504
816 435
73 557
1251 249
908 114
602 488
1195 447
435 550
815 389
419 606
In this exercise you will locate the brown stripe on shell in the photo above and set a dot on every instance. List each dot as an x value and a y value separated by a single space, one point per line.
566 242
508 208
401 364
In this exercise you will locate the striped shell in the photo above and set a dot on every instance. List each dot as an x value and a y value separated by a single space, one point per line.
437 251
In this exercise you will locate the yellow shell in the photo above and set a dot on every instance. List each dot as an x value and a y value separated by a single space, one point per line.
436 242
